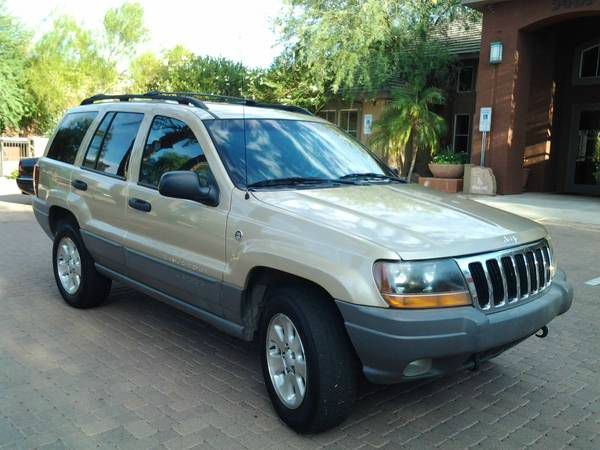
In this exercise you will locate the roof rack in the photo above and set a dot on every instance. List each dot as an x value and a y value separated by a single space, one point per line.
183 100
234 100
191 98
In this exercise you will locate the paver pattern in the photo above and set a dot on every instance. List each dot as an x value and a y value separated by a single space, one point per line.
135 373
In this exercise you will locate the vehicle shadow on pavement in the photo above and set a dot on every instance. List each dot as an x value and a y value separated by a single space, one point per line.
230 378
19 199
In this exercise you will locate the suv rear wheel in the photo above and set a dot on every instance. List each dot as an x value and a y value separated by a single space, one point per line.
308 364
76 277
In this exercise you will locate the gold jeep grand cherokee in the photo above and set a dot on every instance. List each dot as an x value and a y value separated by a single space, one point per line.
273 225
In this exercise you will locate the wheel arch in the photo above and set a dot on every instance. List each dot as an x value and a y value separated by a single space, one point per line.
59 214
259 282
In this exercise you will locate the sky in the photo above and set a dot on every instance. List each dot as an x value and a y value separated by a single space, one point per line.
240 30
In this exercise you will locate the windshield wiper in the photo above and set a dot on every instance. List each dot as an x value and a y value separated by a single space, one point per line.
297 181
371 176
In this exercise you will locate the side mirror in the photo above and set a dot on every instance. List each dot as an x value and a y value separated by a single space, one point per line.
185 184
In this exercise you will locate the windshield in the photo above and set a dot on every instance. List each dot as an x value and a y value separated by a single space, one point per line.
266 150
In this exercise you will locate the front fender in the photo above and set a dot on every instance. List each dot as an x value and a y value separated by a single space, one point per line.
272 238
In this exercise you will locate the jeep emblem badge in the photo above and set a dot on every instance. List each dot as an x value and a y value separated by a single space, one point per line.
510 239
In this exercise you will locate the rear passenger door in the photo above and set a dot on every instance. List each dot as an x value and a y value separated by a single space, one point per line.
175 246
57 166
99 186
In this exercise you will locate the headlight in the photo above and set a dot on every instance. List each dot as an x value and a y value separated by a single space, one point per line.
421 284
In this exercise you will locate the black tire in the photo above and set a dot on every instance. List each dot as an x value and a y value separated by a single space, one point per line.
332 366
93 288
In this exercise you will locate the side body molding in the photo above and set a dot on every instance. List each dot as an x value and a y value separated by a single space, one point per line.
201 296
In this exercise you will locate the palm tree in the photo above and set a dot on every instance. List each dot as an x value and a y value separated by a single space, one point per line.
408 119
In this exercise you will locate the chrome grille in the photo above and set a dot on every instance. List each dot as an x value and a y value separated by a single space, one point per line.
502 279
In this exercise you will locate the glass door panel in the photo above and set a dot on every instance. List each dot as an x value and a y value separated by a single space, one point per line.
584 164
587 160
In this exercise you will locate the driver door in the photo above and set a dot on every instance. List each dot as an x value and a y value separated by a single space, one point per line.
175 246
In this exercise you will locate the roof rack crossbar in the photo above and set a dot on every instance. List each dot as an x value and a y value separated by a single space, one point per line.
225 98
236 100
183 100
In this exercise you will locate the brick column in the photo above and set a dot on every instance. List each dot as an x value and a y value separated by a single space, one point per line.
504 87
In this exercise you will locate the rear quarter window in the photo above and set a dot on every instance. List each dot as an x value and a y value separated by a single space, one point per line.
69 135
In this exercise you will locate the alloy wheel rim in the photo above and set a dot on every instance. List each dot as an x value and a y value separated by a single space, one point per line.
68 263
286 361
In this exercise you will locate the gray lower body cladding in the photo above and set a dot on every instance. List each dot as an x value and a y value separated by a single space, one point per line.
41 210
387 340
211 300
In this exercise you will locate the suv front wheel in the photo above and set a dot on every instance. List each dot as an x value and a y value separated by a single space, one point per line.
308 363
79 283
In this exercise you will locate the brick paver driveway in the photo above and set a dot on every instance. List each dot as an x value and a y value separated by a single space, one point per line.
138 374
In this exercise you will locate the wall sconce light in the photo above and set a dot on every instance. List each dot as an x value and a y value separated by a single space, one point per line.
496 51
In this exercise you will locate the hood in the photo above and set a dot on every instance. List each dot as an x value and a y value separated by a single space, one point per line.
414 222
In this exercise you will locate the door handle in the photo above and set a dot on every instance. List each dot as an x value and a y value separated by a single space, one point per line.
80 185
139 204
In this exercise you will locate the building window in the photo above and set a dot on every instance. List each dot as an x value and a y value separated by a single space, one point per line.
462 126
329 115
466 79
349 122
590 62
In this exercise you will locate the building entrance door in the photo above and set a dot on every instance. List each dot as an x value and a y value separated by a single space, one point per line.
584 157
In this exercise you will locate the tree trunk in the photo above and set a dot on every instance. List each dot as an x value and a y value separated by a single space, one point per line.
413 160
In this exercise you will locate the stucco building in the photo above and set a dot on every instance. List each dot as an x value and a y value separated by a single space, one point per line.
536 63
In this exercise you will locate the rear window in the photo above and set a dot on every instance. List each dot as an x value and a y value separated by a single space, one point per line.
70 133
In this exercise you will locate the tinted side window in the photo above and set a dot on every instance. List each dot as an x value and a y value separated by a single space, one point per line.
118 143
94 148
171 145
68 138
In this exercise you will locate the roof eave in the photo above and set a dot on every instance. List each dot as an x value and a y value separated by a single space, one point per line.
479 4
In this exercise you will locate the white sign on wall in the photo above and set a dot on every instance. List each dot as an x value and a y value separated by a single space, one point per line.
485 120
368 124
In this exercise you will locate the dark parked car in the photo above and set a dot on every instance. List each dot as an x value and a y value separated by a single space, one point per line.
25 177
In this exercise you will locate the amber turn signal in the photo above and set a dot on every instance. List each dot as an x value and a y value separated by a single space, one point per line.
427 301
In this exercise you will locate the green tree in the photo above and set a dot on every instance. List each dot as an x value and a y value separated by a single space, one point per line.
180 70
69 63
350 43
409 121
13 96
286 81
124 30
65 66
145 73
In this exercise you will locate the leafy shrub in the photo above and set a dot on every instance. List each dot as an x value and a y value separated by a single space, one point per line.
449 157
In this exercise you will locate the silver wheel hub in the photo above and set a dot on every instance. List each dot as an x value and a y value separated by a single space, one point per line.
68 263
286 361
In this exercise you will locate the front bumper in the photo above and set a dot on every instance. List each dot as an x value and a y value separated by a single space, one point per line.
387 340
